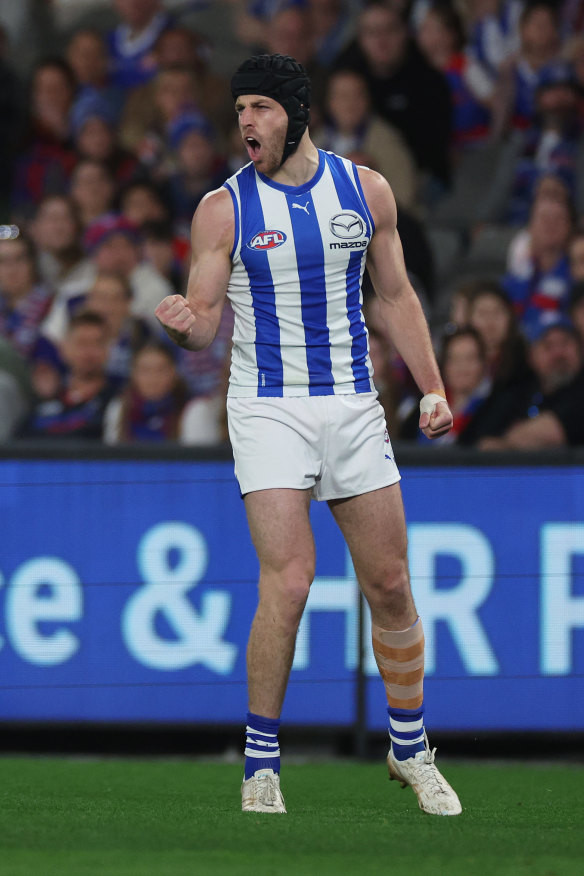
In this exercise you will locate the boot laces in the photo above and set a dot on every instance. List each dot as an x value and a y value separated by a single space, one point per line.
430 777
266 789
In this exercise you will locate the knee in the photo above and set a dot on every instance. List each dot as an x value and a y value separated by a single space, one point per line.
286 590
389 586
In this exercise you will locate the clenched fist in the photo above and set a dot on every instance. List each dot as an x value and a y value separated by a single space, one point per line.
176 317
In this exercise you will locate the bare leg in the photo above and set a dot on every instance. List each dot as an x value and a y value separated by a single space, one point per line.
374 528
280 529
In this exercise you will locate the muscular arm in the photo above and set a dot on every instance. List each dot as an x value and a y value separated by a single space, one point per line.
405 320
192 322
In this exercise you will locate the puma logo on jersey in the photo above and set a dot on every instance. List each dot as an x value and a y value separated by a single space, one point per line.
300 207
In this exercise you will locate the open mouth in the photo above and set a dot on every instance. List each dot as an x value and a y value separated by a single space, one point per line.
253 147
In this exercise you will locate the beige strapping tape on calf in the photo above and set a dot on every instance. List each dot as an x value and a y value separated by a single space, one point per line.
400 660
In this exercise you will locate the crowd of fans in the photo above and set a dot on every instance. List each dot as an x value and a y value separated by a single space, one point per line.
474 112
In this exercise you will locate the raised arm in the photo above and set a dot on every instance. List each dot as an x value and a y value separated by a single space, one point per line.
192 322
401 307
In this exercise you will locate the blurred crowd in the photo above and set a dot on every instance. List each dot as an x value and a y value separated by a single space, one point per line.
116 119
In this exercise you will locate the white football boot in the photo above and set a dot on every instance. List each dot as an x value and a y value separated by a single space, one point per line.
261 793
435 796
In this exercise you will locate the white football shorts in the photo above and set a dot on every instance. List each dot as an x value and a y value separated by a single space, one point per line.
337 445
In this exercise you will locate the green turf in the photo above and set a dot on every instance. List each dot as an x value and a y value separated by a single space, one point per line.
136 818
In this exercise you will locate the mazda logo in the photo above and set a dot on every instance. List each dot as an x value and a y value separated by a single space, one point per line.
347 226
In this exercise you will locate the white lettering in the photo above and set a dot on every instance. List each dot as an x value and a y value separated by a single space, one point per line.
26 608
458 605
198 633
561 611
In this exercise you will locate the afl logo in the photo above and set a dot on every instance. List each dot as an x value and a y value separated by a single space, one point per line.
267 240
347 226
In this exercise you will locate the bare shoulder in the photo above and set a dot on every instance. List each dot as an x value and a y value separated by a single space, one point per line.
214 223
379 197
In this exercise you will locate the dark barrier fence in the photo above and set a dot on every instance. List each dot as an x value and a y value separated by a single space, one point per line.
128 585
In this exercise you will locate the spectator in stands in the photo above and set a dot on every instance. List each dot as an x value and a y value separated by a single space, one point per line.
550 145
46 155
131 44
56 231
145 127
111 297
255 15
199 167
151 407
92 190
289 32
184 78
24 301
468 385
547 412
539 46
166 253
331 25
442 39
114 247
549 187
77 409
491 314
543 281
86 54
350 126
93 123
141 201
459 306
405 89
494 32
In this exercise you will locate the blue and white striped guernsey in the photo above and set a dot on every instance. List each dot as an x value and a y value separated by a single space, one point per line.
295 287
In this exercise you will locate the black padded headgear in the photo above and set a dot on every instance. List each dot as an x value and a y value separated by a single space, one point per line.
284 80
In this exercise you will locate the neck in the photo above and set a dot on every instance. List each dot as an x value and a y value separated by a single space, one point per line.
300 167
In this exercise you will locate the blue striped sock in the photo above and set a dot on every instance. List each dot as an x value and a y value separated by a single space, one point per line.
262 750
406 731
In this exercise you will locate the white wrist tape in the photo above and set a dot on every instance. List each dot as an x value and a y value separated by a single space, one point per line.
429 402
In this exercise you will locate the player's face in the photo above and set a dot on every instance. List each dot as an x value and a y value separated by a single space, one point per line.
263 123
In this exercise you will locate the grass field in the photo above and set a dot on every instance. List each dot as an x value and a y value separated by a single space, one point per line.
137 818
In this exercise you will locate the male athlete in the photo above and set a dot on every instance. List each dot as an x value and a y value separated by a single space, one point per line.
287 239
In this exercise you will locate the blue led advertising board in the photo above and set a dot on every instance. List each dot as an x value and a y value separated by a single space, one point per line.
127 590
